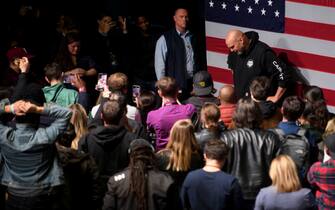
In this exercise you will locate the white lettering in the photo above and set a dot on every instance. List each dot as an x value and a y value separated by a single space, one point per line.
281 75
119 177
277 66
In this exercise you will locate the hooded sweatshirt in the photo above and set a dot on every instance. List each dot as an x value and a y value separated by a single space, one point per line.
60 95
258 60
109 148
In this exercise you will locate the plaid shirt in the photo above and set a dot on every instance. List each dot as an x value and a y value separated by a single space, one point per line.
322 176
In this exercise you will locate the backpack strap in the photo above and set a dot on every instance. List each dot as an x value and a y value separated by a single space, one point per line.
301 132
279 131
58 90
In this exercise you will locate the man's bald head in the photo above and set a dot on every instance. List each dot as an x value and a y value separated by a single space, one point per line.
227 95
236 41
233 35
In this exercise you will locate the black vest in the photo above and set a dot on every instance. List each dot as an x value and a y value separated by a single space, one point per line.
175 64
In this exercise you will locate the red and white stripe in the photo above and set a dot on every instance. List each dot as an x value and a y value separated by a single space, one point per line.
308 41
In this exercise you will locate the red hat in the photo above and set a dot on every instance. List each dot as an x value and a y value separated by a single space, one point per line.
17 52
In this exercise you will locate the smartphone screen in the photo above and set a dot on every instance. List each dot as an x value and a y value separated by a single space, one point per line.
67 78
136 91
102 82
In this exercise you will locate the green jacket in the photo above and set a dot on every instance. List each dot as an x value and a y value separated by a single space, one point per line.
60 95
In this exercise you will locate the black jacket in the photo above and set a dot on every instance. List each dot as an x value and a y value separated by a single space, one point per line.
199 101
258 60
250 156
109 148
159 191
208 134
268 108
82 189
135 126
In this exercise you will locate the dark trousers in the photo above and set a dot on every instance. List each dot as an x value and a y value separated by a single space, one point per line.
249 204
40 202
2 196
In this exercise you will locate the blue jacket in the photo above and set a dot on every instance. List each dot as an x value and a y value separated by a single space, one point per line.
29 155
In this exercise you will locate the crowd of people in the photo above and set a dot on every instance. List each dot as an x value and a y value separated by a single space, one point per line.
172 144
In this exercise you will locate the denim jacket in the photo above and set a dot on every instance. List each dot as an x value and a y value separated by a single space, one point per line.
28 153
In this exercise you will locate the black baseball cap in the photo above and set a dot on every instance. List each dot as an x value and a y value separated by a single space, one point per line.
203 84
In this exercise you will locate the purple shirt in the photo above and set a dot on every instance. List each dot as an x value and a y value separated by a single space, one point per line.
162 120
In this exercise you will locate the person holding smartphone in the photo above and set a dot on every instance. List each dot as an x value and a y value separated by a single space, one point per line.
72 61
56 92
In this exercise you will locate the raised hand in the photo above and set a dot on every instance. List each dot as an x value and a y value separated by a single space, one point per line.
24 65
79 71
78 82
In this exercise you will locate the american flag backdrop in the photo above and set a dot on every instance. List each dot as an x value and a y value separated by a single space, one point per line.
302 29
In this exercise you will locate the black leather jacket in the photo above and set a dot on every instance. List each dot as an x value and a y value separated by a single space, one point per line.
250 156
207 134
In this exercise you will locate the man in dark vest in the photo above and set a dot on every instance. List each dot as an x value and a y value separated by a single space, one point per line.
175 54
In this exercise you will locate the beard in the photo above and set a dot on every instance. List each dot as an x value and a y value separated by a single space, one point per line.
241 51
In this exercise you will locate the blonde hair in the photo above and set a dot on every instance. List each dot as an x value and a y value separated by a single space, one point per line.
284 175
330 128
79 121
182 145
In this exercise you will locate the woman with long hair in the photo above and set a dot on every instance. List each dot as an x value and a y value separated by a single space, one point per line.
141 186
79 121
74 63
286 191
82 185
70 58
181 154
316 114
182 147
314 118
